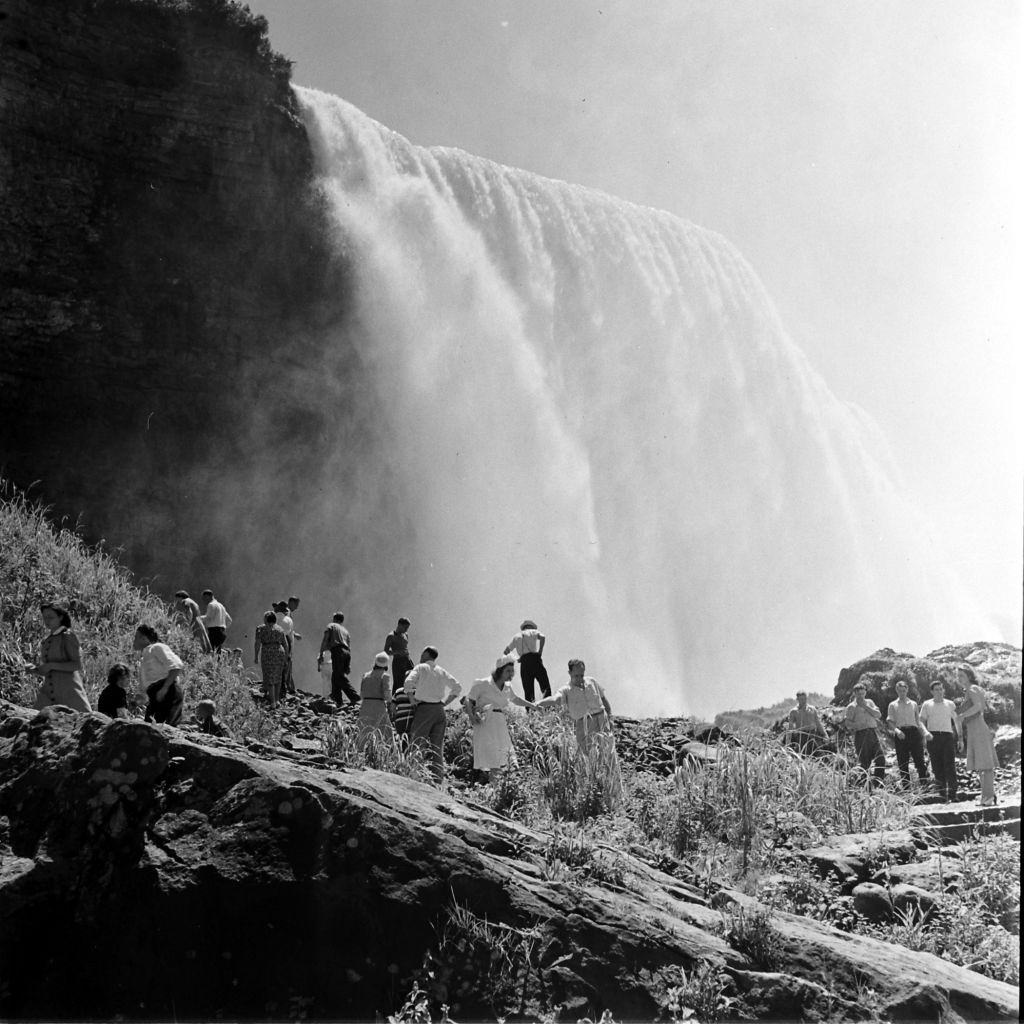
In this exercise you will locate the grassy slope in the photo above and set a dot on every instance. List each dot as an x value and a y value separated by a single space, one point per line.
39 562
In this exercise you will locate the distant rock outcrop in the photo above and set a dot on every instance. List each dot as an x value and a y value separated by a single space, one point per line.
156 876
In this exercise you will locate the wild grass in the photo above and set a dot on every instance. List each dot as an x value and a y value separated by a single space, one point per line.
43 562
387 753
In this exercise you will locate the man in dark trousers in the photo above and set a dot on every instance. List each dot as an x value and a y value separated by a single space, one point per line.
337 640
528 643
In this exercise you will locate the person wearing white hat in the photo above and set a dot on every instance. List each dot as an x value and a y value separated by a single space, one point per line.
528 643
486 704
375 705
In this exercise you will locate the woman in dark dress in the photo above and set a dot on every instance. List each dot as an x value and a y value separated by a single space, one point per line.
60 663
271 653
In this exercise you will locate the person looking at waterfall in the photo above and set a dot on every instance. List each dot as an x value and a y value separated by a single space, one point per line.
397 645
583 702
528 644
431 689
216 619
337 640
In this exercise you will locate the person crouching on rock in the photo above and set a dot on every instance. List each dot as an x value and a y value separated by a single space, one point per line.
159 671
584 703
431 689
208 722
486 704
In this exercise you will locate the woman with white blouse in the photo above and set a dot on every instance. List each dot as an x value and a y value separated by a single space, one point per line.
486 704
159 671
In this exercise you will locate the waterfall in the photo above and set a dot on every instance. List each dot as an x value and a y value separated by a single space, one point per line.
585 412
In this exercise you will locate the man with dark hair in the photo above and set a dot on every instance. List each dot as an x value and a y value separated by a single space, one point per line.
397 645
337 641
189 611
431 689
942 733
804 729
863 719
528 644
284 620
216 619
909 735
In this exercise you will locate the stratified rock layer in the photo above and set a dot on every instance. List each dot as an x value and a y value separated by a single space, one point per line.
155 876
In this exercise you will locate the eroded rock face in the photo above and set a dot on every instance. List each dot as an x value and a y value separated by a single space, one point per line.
157 876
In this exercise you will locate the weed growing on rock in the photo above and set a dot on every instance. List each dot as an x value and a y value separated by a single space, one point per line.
342 744
699 995
751 933
572 856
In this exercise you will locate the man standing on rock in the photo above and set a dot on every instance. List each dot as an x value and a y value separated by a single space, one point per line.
397 645
938 717
431 689
336 639
216 619
584 703
284 620
863 719
909 735
528 643
189 611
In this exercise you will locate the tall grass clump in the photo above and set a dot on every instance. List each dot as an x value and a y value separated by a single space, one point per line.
385 753
42 562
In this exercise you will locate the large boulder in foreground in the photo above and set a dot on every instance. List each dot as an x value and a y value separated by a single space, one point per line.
153 876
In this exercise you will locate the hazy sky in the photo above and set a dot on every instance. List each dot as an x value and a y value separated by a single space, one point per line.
865 157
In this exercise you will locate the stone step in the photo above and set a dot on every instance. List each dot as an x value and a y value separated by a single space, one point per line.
964 811
958 831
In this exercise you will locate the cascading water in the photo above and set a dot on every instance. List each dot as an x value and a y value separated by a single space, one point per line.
587 413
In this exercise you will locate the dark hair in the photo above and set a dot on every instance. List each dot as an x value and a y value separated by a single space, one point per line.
148 632
119 670
205 592
576 661
181 593
431 653
269 618
294 597
60 611
338 617
404 620
969 672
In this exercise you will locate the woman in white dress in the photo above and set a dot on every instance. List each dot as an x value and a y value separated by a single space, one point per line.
486 704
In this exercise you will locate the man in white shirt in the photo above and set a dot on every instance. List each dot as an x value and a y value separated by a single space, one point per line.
583 702
862 718
528 643
430 689
908 734
938 717
284 620
216 619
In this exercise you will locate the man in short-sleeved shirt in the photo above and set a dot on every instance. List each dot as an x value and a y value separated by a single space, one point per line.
528 644
431 689
804 729
583 702
336 639
216 619
938 716
909 735
863 719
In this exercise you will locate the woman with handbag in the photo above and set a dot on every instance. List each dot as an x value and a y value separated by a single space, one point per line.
60 663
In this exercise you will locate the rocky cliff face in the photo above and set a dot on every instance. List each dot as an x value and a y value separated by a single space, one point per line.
157 876
160 241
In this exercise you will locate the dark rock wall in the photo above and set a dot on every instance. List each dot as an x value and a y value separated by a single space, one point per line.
160 243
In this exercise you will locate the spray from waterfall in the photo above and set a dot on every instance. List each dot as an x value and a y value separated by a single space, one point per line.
568 408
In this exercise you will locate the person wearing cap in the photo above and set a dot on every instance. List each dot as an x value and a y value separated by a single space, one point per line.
863 718
486 705
284 620
431 689
375 706
583 702
803 726
528 644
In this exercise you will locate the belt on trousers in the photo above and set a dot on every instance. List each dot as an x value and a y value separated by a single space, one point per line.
431 702
372 698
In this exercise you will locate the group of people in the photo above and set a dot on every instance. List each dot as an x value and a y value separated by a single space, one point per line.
410 701
937 726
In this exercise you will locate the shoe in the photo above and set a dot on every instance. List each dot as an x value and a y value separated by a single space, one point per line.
988 803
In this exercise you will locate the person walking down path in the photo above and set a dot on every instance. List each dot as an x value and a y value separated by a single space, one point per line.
216 620
528 644
486 705
584 703
336 639
397 645
938 716
375 705
909 735
159 671
976 737
804 728
60 662
863 720
431 689
189 612
270 652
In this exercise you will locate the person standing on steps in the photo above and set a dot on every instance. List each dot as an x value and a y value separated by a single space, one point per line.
431 689
336 639
216 619
976 736
938 717
528 644
863 719
904 718
397 645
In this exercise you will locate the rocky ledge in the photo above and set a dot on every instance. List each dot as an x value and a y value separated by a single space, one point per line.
159 875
